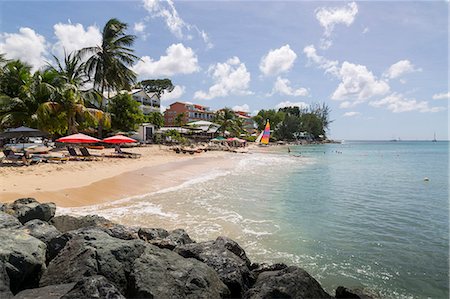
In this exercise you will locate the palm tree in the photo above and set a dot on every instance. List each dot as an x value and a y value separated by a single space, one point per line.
17 104
108 63
226 118
67 102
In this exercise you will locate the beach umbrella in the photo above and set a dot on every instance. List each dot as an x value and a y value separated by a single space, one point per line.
118 139
78 138
22 132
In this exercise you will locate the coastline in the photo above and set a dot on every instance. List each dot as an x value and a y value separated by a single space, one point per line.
82 183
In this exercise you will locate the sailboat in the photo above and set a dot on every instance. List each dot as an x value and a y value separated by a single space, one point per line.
263 138
434 139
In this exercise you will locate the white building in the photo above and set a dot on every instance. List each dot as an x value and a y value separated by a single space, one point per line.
149 101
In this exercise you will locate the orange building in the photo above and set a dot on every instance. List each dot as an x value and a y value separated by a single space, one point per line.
191 112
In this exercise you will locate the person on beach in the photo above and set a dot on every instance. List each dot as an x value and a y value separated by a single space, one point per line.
289 150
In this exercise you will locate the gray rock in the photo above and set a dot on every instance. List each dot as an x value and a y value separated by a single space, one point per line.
344 293
9 221
291 282
49 292
48 234
67 223
90 252
23 257
26 209
4 282
41 230
231 268
164 239
161 273
93 287
263 267
148 234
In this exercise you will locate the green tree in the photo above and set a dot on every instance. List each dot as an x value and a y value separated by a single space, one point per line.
288 127
158 86
126 115
155 118
17 102
312 124
179 120
275 117
67 101
109 62
226 119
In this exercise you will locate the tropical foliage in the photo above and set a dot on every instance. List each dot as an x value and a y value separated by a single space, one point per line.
158 86
125 112
291 122
56 99
228 122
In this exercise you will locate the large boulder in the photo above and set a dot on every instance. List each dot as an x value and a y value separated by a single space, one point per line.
93 287
48 292
291 282
68 223
8 221
91 252
345 293
48 234
23 257
5 292
227 258
161 273
26 209
164 239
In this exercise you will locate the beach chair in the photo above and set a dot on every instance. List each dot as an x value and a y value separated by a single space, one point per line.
130 155
73 155
86 154
13 157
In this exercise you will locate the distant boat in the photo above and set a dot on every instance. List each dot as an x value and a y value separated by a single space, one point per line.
434 139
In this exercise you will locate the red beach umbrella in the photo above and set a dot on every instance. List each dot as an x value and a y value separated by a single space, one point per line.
78 138
119 139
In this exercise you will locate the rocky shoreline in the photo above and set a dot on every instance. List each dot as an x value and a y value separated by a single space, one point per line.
43 256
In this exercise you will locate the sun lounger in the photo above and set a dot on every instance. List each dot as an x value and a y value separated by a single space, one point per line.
13 157
73 155
85 152
132 155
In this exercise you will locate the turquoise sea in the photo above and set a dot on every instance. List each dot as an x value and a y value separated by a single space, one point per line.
358 214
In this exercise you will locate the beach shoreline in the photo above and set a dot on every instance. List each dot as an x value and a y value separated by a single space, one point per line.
83 183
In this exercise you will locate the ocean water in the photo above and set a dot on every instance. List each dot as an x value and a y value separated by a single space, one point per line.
358 214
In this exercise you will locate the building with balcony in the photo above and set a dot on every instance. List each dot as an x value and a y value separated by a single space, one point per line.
149 101
188 113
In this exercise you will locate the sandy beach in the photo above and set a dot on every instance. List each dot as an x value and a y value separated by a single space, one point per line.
80 183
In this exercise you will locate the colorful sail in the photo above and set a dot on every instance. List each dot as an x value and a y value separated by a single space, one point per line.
266 134
258 140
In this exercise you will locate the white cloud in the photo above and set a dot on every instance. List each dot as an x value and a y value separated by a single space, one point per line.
177 26
73 37
178 60
348 104
330 66
278 61
365 30
282 86
176 93
243 108
230 78
328 17
291 104
358 83
442 96
26 45
139 27
398 103
400 68
351 114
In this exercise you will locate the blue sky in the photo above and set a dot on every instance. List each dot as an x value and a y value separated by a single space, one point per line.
382 67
